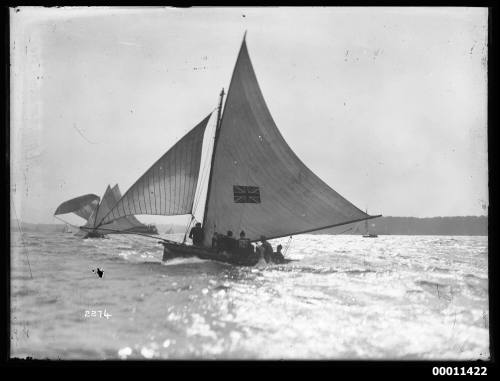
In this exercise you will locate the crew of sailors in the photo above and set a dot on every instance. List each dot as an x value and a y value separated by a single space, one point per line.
228 244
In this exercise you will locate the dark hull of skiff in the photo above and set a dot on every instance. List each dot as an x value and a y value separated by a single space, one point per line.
175 250
92 234
172 251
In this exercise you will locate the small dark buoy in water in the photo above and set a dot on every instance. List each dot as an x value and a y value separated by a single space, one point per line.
98 271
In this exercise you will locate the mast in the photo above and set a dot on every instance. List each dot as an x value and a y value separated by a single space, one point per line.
217 129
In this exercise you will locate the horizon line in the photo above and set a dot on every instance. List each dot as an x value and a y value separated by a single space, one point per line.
456 216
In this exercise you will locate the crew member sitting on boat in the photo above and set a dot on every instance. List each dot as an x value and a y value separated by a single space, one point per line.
244 248
230 243
215 241
265 249
243 242
196 234
226 243
278 256
220 242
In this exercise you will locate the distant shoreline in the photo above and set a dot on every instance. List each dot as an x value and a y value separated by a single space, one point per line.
446 226
449 226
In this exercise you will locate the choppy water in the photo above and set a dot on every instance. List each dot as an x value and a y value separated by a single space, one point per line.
348 297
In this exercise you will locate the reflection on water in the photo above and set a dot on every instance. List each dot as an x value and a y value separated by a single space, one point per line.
394 297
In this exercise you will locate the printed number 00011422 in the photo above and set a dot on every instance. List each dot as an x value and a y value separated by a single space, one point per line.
459 371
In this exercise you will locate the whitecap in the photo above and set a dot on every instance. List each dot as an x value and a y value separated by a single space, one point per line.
125 352
147 352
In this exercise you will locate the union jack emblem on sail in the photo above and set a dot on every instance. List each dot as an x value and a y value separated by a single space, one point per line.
246 194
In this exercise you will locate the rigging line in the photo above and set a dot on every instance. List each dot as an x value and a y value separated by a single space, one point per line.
22 238
60 219
345 230
321 228
125 232
128 238
74 126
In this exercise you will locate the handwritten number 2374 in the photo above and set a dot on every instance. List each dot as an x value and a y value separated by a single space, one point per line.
98 313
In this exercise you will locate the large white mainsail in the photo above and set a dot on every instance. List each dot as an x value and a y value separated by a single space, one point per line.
169 186
257 183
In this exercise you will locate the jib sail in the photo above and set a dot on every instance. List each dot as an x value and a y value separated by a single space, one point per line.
169 186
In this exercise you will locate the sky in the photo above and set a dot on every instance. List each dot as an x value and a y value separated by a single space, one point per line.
386 105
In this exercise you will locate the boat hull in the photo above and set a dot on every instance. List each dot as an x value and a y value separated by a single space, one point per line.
176 250
93 234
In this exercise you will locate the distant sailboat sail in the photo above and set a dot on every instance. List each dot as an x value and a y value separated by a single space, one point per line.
258 184
89 208
367 231
82 206
107 202
169 186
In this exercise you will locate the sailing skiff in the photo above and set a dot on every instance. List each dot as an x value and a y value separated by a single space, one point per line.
367 232
91 208
256 183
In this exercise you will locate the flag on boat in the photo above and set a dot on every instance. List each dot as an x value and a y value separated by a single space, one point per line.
246 194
